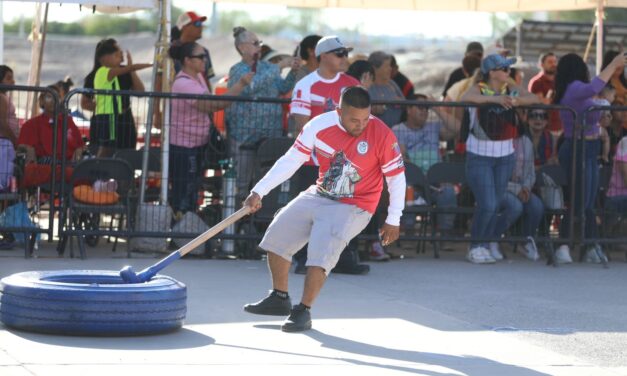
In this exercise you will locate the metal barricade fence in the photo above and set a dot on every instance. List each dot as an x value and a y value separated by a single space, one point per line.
443 202
603 190
29 165
192 161
257 147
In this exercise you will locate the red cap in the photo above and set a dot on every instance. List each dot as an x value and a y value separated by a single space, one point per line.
187 18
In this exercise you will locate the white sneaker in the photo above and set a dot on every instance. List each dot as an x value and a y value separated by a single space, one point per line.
562 255
530 250
480 255
495 252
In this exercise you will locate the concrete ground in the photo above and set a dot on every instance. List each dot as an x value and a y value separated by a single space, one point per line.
414 315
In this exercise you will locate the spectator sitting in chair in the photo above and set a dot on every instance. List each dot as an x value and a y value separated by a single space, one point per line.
537 119
616 202
419 140
36 136
520 201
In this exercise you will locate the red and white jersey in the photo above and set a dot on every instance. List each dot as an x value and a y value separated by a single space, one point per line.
314 95
351 168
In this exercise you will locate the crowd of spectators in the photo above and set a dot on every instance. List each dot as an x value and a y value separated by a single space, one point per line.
501 143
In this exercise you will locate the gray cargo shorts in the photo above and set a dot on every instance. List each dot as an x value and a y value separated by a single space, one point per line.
325 224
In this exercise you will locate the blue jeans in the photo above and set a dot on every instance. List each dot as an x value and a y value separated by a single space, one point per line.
185 173
591 181
487 178
445 197
512 208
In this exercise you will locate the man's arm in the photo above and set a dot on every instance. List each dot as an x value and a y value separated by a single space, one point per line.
450 124
299 122
391 228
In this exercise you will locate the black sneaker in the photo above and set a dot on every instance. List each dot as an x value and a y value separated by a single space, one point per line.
272 305
298 321
357 269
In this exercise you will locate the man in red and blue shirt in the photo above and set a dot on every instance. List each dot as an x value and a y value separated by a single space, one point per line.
355 151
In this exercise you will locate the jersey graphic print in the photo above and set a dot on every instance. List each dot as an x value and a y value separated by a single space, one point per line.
340 179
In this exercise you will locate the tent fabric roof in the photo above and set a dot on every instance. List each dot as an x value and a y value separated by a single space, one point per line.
107 6
447 5
561 38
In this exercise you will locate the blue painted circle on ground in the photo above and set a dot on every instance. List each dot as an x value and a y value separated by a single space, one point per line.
91 302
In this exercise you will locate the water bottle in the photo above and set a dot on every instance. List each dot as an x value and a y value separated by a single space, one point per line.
229 193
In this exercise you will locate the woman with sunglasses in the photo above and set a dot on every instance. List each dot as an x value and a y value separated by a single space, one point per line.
248 122
573 88
490 149
537 121
190 125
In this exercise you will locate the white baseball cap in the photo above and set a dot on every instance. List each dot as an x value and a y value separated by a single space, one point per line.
330 43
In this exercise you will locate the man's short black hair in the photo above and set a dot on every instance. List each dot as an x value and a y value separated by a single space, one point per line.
474 46
309 42
356 97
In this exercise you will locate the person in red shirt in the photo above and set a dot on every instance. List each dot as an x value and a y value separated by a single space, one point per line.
543 85
355 150
320 90
36 135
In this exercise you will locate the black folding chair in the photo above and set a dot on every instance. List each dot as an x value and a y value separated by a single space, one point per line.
546 177
453 173
87 172
415 177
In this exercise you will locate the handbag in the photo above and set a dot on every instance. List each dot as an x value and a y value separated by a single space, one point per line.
16 217
216 150
551 193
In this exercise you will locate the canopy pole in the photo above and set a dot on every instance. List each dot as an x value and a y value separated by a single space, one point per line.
40 59
165 129
599 16
518 53
589 45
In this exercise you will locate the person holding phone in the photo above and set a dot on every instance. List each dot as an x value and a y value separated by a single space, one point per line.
250 122
575 89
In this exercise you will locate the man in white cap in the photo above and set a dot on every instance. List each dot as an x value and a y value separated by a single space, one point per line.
320 91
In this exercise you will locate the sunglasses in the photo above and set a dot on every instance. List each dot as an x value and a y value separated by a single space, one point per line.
256 43
197 23
538 116
503 69
340 53
201 56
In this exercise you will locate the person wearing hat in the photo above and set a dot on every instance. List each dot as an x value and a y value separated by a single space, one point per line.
472 49
189 29
490 149
320 91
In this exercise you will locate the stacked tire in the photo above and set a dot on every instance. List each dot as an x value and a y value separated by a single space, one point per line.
91 303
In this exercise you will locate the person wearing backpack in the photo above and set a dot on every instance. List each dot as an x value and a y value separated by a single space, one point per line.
490 130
